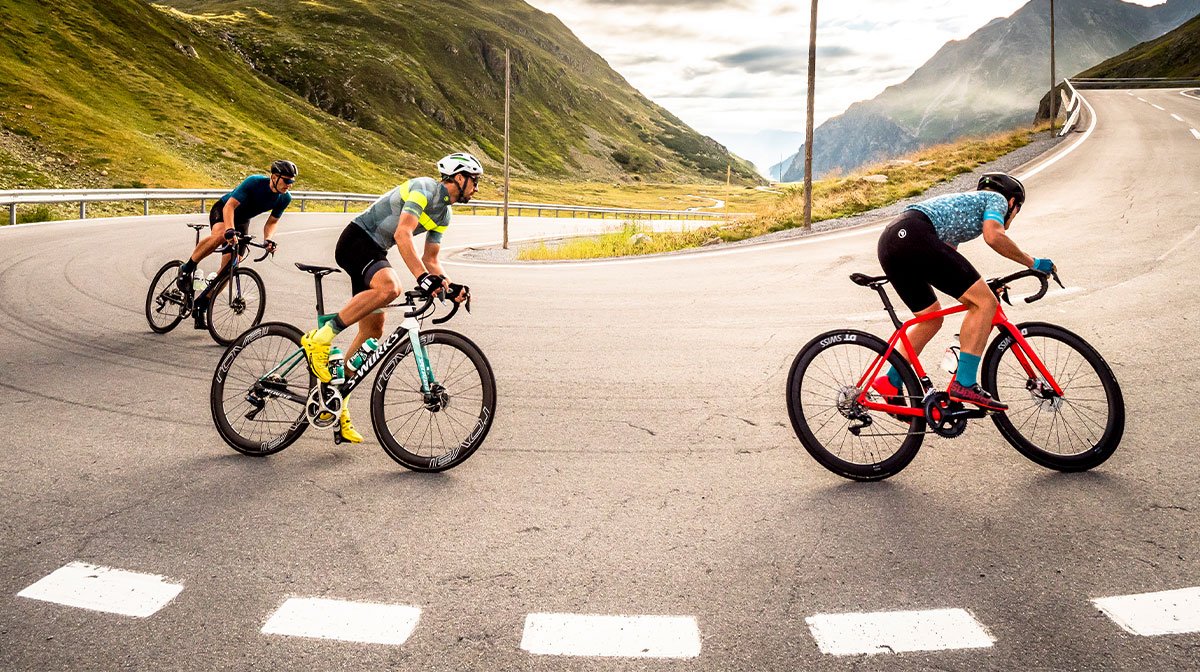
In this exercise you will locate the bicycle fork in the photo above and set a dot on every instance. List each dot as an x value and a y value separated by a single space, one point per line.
435 395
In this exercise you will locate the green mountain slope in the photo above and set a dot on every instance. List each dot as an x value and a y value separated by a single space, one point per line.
1176 54
118 92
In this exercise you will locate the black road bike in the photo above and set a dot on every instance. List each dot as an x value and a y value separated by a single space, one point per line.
233 306
432 402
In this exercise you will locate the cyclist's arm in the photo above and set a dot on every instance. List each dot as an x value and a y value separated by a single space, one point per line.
430 258
404 242
996 238
269 227
227 212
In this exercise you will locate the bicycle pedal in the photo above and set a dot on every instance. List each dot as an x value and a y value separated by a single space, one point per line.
337 438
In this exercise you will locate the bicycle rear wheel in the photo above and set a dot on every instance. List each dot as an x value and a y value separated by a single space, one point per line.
165 304
821 390
247 398
441 430
1074 432
230 316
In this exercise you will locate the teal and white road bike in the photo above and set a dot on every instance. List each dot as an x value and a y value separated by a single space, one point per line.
432 403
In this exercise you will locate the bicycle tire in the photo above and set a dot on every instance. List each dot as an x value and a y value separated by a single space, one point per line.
226 320
841 384
1000 374
474 418
153 309
244 362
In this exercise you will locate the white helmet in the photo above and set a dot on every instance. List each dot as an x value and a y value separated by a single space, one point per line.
459 162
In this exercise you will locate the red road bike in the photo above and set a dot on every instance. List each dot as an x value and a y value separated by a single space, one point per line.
1065 412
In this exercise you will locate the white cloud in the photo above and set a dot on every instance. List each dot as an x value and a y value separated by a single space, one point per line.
735 68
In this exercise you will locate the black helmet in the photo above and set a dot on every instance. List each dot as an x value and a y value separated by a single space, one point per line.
1004 184
285 168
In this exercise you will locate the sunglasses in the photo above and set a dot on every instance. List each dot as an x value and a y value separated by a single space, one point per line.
286 180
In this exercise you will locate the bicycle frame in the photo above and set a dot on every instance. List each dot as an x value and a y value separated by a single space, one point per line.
410 327
1024 352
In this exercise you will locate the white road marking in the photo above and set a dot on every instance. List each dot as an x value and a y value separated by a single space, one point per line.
346 621
1176 117
611 636
1170 612
1188 94
1158 107
114 591
1180 244
1195 133
1143 99
897 631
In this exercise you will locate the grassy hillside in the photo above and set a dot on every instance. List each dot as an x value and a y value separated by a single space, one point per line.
123 93
1176 54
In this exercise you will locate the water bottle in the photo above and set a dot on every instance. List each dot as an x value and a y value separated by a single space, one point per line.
950 360
198 283
337 367
211 277
370 345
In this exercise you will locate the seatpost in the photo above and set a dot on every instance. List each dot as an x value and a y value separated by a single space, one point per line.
320 295
887 304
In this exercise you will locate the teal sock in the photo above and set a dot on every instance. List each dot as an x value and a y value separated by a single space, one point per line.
894 378
968 369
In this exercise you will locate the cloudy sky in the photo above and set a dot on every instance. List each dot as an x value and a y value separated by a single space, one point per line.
736 69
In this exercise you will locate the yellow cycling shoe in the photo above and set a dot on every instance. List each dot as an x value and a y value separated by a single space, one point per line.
318 356
347 428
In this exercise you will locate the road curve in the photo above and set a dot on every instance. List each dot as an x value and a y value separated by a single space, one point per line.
641 462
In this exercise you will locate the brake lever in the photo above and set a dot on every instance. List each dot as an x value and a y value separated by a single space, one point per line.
1004 295
1054 274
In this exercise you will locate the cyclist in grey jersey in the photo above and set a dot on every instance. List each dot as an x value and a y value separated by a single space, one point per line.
423 197
419 206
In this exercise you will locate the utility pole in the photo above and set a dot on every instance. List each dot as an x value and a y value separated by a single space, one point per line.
808 130
507 98
1053 77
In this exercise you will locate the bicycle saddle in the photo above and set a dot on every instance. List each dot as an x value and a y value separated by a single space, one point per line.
197 226
317 270
866 280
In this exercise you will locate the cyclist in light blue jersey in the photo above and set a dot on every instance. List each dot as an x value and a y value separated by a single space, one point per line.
919 251
420 206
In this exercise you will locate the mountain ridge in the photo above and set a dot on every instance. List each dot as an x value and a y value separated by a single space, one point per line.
978 92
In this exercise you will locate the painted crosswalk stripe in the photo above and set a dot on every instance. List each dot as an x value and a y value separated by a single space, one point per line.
363 622
114 591
1170 612
897 631
611 636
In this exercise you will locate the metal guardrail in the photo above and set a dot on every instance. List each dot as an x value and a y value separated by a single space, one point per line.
1073 108
1134 82
84 196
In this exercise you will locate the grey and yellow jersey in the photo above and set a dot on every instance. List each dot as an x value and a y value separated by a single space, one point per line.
424 197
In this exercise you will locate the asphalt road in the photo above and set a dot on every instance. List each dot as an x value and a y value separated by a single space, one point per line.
641 462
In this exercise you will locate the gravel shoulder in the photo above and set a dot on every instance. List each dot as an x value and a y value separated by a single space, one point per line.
1043 143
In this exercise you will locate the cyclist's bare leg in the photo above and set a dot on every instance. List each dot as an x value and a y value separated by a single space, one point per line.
922 333
206 245
977 323
385 288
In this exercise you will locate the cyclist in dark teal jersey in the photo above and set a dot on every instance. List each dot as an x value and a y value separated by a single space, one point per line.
255 195
919 251
420 206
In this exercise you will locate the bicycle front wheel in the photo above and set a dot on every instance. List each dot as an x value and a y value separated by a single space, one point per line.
230 313
165 304
841 435
440 429
251 387
1074 432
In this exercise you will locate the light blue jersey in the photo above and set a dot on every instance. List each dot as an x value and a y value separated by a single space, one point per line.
958 218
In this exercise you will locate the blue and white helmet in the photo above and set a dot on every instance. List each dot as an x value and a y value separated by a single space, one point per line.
459 162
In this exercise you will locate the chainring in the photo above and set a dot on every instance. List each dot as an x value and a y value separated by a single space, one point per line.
940 415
